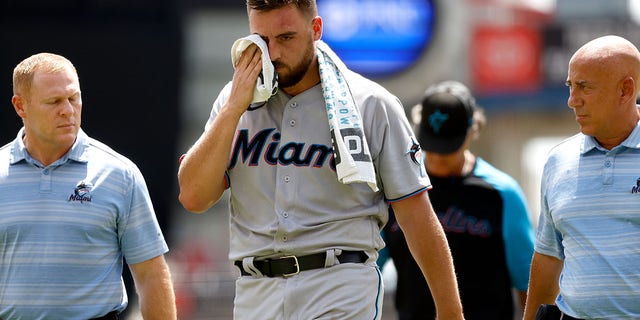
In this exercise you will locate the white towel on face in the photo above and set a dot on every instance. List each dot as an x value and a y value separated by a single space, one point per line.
353 159
267 84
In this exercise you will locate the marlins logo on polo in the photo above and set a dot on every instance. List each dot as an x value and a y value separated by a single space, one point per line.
82 192
636 188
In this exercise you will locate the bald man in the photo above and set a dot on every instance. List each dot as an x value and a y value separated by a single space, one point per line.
586 263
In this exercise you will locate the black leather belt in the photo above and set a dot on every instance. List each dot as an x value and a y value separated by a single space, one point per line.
291 265
113 315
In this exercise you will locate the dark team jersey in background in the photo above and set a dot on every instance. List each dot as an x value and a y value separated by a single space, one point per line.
486 221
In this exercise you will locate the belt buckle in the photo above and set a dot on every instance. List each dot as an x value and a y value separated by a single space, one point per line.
295 263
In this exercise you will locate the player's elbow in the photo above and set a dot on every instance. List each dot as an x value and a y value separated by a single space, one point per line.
192 203
195 197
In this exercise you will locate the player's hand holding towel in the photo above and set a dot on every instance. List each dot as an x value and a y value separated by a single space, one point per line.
267 84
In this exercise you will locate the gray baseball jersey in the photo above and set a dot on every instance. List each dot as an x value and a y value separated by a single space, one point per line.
285 197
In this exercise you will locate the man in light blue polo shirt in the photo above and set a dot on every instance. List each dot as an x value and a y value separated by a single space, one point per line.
586 263
70 209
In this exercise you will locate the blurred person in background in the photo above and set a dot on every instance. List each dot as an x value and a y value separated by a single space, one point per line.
71 209
586 263
482 210
304 234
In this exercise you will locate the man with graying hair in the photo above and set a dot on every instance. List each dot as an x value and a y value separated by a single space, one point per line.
586 263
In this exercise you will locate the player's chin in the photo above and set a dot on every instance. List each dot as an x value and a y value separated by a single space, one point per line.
284 80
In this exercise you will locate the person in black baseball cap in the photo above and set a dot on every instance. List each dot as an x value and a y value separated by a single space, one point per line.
482 210
446 116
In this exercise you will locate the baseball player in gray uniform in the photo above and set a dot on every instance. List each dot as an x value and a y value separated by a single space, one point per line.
305 242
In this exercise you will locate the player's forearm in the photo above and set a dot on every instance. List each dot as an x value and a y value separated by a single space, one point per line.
201 173
432 252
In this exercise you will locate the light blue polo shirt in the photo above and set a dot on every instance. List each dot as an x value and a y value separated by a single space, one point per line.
65 228
590 218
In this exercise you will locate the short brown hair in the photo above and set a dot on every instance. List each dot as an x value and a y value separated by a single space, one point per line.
307 7
23 73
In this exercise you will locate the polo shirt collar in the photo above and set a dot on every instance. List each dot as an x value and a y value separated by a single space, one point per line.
632 141
78 151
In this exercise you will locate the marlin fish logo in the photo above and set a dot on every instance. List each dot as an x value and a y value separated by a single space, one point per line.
636 188
437 120
415 153
82 192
